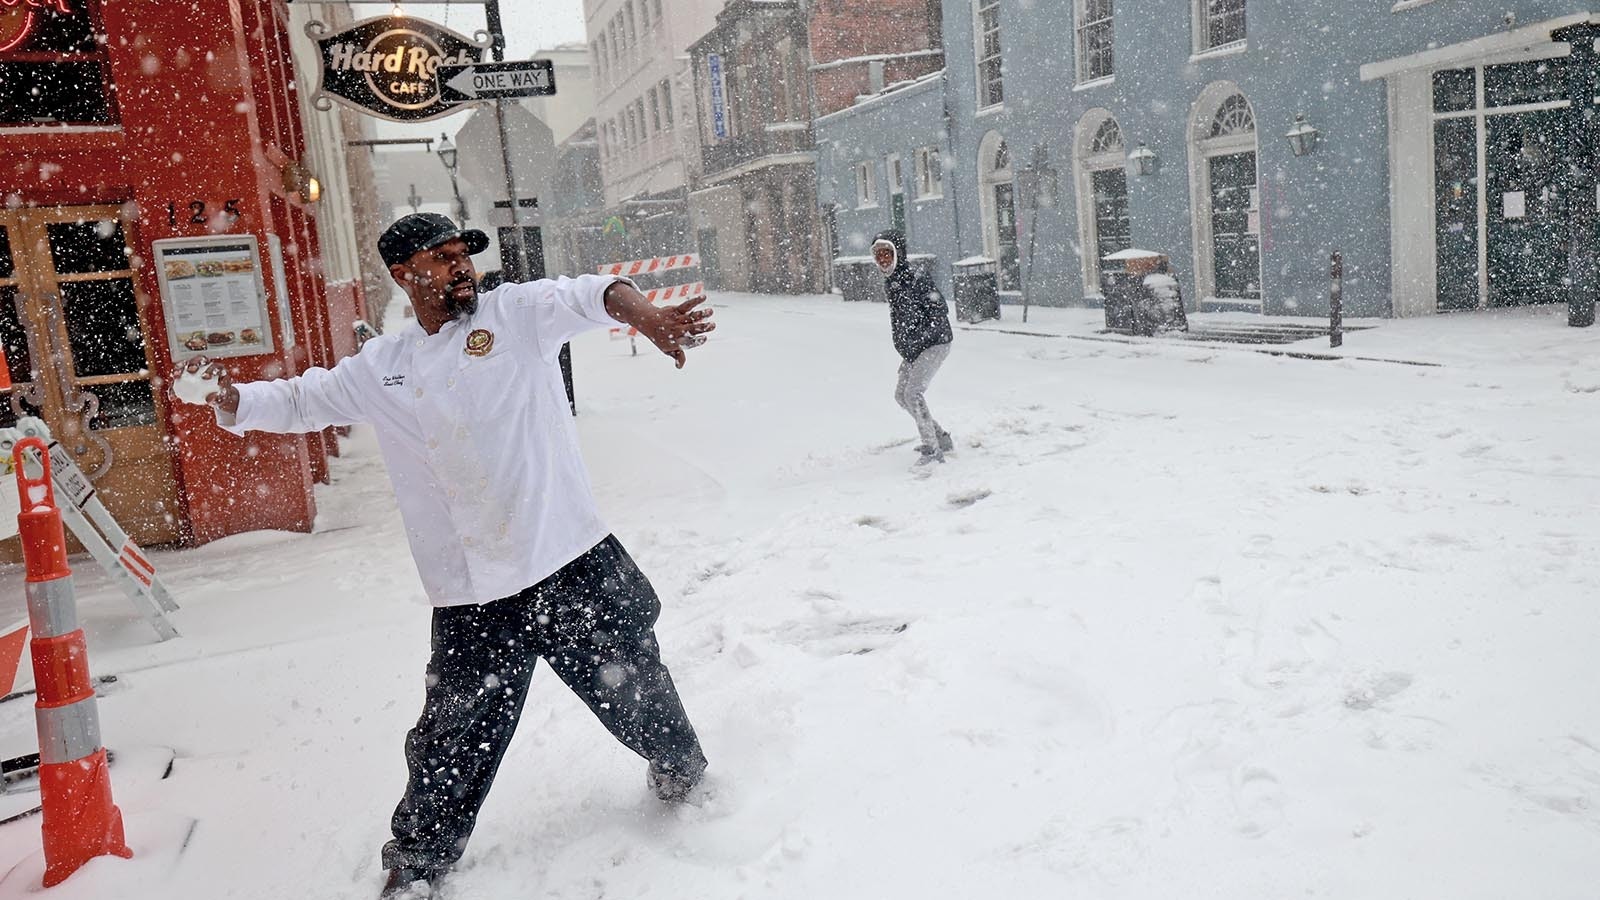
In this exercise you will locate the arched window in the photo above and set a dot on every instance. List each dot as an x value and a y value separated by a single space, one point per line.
1233 117
1107 138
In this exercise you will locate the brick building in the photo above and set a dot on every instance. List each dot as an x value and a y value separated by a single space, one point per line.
761 76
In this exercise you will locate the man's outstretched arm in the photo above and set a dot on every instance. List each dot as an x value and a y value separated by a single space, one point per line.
673 329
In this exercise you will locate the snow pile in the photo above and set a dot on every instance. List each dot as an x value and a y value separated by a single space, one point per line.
1171 615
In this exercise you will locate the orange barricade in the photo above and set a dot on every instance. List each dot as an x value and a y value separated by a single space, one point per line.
80 820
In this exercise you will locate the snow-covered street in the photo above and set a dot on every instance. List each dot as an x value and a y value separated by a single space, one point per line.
1175 620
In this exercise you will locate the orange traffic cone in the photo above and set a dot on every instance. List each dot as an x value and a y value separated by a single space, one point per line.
80 820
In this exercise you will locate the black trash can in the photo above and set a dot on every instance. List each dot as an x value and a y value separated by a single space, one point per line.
977 286
858 278
1121 290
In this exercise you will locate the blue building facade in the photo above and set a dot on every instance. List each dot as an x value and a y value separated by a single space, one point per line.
1436 162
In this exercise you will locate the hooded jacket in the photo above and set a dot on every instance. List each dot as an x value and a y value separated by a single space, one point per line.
918 317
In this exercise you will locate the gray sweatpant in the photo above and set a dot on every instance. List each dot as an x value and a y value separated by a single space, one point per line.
915 376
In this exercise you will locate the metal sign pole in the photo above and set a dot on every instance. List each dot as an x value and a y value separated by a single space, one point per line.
498 49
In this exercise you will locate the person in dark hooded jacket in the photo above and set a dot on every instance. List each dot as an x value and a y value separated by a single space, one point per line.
920 325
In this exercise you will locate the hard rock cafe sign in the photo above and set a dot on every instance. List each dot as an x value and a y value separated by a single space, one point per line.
18 17
385 66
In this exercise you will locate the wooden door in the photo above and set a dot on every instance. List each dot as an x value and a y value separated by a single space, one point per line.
74 336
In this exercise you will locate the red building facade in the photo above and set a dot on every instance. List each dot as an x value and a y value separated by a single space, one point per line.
123 123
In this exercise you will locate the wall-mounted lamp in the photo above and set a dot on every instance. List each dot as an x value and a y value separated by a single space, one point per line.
1142 160
298 181
1302 136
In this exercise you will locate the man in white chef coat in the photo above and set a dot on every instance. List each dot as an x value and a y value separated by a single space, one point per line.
471 414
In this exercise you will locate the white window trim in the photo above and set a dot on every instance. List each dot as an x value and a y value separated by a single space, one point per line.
1081 59
1098 82
896 185
987 180
1403 5
1084 166
1199 26
1201 150
977 55
924 169
866 185
1237 48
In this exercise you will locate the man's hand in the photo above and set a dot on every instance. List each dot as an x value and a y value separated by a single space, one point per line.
673 329
226 396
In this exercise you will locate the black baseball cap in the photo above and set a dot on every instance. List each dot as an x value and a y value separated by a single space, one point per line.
424 231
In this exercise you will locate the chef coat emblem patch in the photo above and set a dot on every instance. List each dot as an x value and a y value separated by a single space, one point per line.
480 342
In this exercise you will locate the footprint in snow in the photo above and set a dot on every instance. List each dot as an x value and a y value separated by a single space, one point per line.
1375 689
1258 797
855 636
965 499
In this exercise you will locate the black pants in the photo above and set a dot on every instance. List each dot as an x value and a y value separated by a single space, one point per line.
593 621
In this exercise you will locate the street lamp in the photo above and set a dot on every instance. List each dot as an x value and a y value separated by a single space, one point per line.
414 199
1302 136
447 155
1037 182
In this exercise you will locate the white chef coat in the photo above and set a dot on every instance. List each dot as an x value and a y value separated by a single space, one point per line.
481 447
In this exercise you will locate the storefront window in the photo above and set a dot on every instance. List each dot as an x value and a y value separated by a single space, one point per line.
103 327
1455 90
124 404
78 248
53 67
1515 84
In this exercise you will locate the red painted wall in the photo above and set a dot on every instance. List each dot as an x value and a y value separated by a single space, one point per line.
206 97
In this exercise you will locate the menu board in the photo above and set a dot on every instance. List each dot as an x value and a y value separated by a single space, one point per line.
214 296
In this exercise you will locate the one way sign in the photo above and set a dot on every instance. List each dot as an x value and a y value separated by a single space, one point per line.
496 80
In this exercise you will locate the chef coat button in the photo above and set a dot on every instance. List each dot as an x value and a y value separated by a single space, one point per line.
419 392
451 382
466 541
419 342
433 443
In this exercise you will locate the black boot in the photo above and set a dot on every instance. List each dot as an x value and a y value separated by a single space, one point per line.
410 884
674 785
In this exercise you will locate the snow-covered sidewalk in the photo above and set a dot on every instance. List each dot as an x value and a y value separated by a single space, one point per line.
1175 620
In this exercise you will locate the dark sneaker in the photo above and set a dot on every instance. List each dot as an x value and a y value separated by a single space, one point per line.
946 442
670 786
411 884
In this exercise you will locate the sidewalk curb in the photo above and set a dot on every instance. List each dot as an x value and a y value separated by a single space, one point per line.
1210 345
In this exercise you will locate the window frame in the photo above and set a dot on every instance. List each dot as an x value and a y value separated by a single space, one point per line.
981 34
928 170
866 185
1083 27
1202 19
99 55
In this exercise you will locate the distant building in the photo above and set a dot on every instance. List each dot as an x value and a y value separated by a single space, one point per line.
1438 170
641 111
766 70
